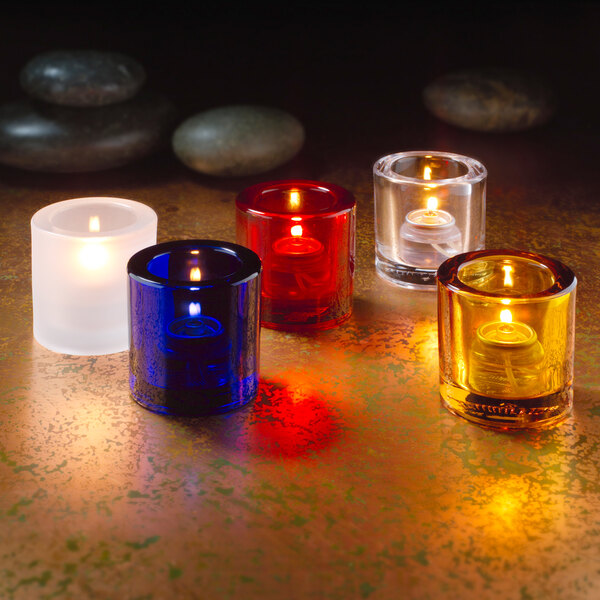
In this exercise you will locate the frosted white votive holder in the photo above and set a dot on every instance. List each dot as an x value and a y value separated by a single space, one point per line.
79 254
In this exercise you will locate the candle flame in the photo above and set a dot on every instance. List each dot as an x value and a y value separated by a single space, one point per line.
294 199
432 203
296 230
506 316
195 309
94 224
427 173
195 274
508 280
194 251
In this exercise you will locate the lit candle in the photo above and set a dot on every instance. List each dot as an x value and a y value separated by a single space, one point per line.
429 206
194 314
507 359
297 245
304 233
429 235
197 351
506 335
194 328
296 266
80 250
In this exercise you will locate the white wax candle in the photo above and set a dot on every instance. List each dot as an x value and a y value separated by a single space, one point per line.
79 254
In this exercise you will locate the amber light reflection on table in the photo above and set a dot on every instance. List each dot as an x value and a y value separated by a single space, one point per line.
345 479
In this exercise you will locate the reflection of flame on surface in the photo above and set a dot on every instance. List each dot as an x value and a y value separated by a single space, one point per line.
195 274
94 224
427 173
425 341
194 309
94 451
510 508
296 230
506 502
294 199
506 316
291 420
508 280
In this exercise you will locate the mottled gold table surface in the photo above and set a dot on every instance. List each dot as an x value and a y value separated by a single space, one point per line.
346 478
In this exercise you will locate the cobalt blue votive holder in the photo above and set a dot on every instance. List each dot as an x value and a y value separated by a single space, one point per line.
194 327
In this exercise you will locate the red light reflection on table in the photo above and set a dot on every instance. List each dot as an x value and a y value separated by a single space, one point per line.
291 419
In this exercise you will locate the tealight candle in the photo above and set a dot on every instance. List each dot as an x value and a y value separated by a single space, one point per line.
506 333
304 233
506 358
194 314
80 250
429 206
429 235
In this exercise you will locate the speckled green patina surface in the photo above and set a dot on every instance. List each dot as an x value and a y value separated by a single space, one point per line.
345 479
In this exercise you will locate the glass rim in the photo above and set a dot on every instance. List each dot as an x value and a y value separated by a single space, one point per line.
476 171
144 216
344 199
448 275
250 264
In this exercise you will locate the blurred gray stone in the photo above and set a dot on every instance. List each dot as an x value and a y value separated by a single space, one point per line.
490 99
82 77
234 141
43 137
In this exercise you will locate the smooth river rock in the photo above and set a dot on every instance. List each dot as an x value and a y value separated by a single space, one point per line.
82 77
235 141
490 99
42 137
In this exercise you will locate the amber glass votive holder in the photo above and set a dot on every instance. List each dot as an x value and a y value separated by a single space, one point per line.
303 232
506 323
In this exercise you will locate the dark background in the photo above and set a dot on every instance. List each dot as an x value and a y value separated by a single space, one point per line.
353 74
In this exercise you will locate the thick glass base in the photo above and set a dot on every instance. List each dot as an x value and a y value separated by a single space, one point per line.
499 413
302 315
405 275
193 402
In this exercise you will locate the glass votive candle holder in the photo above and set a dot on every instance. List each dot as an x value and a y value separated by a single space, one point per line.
303 232
506 338
429 206
195 325
79 254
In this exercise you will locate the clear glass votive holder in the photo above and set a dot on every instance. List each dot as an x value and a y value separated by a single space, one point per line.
79 254
194 327
429 206
506 324
304 233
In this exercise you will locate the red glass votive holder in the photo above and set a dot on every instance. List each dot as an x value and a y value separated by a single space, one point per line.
303 232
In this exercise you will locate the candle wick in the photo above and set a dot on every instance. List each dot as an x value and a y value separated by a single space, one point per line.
510 374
